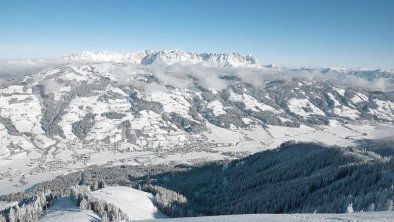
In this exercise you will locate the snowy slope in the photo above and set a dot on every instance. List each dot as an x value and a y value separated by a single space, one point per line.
138 205
5 205
360 217
63 210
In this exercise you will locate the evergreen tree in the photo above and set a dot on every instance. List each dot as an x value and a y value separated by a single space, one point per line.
371 208
84 205
12 215
101 184
388 206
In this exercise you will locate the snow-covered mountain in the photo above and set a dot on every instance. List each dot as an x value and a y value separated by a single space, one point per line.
168 57
106 108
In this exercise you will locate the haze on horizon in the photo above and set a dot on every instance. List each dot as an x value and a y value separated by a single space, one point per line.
350 34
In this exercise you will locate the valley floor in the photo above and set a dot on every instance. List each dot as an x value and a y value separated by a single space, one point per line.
18 174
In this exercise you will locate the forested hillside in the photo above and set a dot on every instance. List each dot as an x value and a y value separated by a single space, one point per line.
295 178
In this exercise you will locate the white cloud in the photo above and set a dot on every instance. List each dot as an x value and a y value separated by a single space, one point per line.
185 76
51 86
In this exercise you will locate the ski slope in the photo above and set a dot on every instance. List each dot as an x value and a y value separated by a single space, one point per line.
138 205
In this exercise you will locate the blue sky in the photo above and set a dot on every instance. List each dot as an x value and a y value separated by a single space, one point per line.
341 33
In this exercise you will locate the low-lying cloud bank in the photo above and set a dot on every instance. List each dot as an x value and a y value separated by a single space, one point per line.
14 68
184 76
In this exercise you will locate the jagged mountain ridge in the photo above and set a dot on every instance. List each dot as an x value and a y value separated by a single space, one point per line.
168 57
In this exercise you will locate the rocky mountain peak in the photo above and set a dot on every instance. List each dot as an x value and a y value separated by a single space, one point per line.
165 56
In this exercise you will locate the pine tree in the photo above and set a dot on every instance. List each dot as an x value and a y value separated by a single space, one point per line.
371 208
101 184
388 206
349 208
104 217
12 215
94 186
84 205
18 213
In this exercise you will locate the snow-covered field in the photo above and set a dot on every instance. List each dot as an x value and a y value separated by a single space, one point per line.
5 205
64 210
138 205
359 217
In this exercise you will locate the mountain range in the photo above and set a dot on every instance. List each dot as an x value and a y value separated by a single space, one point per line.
199 133
169 106
148 57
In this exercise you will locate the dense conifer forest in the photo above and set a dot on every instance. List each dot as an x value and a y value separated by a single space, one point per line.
295 178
